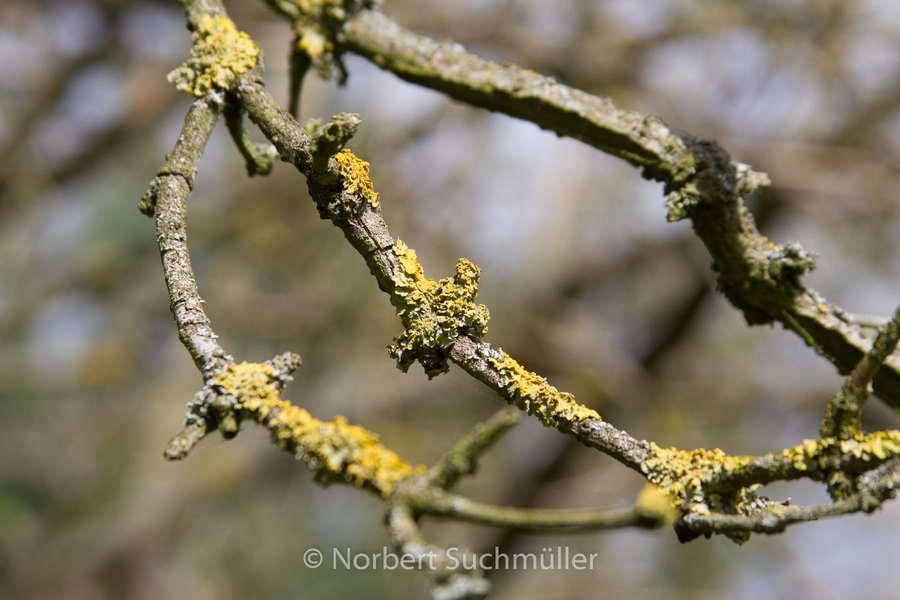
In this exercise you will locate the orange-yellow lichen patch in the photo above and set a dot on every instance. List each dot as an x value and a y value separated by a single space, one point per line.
334 450
434 313
531 392
219 55
355 173
682 474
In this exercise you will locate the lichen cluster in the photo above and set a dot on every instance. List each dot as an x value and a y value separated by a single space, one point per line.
680 202
531 393
683 475
434 313
705 481
334 450
355 175
790 261
862 449
220 54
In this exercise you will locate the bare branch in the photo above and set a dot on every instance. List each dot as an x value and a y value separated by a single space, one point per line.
167 201
646 515
259 157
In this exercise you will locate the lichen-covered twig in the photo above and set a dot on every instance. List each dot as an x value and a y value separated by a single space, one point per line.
334 450
702 181
878 486
842 417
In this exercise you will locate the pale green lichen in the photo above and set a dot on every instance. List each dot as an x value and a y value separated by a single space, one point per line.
531 393
334 450
434 313
790 261
355 175
220 54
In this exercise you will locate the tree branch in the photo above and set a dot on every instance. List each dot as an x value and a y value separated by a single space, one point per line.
702 181
711 491
462 459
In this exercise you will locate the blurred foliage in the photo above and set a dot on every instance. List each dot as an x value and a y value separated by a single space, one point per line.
619 304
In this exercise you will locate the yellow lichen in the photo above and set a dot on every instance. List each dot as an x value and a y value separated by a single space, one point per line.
685 475
317 24
355 173
536 397
434 313
652 503
335 450
311 41
862 448
219 55
682 475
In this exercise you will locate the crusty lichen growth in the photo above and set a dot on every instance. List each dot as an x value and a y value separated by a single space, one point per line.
862 450
687 478
705 481
220 54
334 450
434 313
355 175
688 475
683 475
532 394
